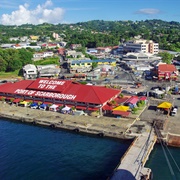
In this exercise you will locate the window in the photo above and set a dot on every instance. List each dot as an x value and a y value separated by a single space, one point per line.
31 71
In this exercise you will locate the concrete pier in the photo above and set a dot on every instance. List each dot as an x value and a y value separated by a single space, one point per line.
132 163
102 126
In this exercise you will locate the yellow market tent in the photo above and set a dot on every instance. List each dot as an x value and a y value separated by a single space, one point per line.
25 103
121 108
165 105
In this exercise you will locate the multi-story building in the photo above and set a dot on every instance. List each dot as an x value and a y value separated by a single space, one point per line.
30 71
140 45
55 35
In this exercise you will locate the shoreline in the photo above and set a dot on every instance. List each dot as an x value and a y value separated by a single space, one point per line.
68 128
102 126
78 124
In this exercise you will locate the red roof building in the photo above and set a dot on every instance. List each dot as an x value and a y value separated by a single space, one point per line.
61 51
60 92
132 100
167 72
121 113
143 98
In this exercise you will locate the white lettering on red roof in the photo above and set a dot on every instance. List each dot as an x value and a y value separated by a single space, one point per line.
21 91
55 95
53 82
45 94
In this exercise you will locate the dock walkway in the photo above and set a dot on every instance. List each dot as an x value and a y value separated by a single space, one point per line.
132 163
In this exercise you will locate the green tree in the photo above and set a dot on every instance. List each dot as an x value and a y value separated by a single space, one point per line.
33 44
14 65
166 57
12 58
94 65
3 65
25 56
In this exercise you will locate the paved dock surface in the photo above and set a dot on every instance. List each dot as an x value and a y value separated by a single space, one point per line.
132 163
110 126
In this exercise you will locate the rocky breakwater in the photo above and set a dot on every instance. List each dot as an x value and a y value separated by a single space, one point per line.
102 126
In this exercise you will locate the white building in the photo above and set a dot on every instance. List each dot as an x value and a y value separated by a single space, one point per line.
74 54
135 56
14 39
145 46
41 55
30 71
50 70
55 35
48 54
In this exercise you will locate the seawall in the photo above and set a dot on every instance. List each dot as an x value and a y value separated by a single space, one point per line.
173 140
79 124
103 126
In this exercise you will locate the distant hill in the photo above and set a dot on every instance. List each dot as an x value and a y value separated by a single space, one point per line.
102 33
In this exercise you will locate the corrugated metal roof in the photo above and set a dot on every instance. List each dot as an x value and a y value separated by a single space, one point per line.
11 87
90 61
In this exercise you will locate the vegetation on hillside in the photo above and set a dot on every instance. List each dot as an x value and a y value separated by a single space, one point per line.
46 61
101 33
13 59
89 34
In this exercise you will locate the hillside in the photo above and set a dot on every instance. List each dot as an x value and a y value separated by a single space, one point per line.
101 33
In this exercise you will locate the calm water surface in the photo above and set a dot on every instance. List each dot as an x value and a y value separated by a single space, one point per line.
31 152
157 162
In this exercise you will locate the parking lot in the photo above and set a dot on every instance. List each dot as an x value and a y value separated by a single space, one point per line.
171 123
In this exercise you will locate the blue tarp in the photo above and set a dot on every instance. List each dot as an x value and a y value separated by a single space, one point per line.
176 89
34 104
43 106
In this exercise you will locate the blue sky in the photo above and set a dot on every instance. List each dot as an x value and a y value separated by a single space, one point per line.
17 12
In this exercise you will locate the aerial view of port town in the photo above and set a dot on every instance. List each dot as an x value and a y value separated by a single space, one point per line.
90 90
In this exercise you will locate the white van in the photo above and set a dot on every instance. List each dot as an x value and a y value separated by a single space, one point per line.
174 111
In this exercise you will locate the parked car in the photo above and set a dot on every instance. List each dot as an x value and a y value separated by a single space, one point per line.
116 77
125 92
174 111
157 87
148 77
152 94
142 93
107 80
129 92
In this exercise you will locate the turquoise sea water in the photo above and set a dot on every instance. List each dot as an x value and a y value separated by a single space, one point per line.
32 153
159 165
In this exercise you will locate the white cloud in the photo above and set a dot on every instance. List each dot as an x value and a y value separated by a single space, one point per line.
148 11
39 15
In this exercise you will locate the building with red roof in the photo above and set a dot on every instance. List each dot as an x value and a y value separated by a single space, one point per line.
167 72
132 101
61 51
62 92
